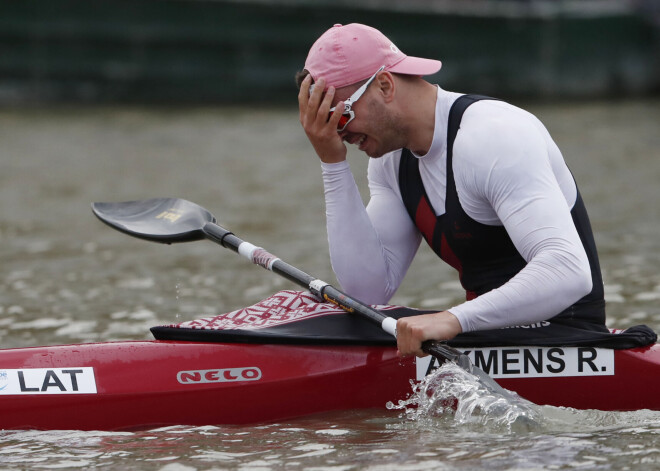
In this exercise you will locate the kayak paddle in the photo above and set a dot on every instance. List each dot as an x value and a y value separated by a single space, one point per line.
172 220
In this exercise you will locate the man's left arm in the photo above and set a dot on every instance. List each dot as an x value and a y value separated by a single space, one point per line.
517 181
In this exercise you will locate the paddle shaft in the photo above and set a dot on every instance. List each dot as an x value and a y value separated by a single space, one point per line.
172 220
323 290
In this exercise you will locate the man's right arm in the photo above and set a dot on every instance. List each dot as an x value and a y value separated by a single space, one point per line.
370 248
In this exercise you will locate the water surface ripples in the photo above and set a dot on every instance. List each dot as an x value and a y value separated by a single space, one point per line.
66 278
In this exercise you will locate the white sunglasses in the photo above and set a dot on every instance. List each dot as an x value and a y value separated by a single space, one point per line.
348 114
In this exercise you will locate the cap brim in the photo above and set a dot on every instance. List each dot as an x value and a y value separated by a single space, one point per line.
416 66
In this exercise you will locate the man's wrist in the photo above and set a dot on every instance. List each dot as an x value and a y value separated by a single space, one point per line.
332 167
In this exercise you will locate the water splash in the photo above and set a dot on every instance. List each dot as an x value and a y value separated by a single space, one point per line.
451 392
177 291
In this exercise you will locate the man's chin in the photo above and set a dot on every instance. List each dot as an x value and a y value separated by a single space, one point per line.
377 153
374 154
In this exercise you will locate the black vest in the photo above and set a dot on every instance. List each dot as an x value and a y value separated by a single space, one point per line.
484 255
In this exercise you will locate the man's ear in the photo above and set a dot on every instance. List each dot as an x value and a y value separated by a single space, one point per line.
386 86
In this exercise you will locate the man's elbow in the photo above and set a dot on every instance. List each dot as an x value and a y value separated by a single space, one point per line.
582 282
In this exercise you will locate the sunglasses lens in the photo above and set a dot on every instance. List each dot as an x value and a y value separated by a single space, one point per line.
343 121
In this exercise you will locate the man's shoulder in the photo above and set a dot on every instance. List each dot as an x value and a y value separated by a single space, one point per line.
494 121
498 113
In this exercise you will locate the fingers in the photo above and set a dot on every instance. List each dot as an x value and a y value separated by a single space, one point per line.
315 106
409 338
317 94
310 95
336 115
412 331
318 124
309 103
303 96
320 104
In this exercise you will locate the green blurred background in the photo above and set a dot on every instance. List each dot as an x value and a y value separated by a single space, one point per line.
234 52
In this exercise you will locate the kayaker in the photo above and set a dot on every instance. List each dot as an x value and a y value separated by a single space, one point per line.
498 203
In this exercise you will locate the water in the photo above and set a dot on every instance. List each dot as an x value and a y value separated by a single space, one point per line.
453 392
65 277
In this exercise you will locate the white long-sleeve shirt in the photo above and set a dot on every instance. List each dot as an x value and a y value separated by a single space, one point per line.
509 172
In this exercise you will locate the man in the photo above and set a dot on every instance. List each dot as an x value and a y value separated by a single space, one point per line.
497 202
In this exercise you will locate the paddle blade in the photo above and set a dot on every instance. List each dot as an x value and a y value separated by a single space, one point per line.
164 220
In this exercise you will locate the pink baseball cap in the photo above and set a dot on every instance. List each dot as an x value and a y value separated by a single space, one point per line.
348 54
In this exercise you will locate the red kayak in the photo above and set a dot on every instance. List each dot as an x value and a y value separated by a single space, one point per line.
133 385
264 364
291 355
